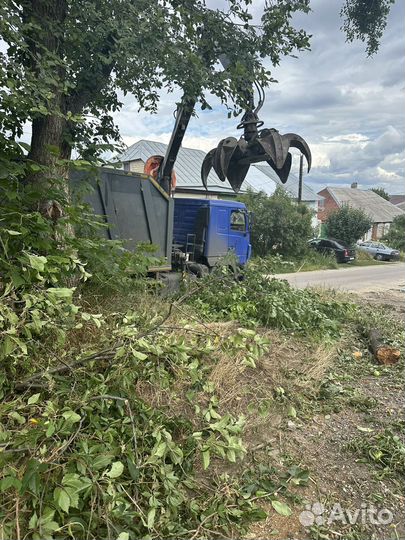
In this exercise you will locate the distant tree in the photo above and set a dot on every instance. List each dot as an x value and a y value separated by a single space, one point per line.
279 224
381 192
348 224
396 235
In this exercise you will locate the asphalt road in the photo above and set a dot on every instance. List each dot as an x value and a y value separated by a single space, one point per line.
382 277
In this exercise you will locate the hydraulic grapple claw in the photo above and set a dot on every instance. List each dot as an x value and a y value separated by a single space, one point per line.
232 158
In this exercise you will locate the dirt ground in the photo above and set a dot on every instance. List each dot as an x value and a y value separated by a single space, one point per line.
359 401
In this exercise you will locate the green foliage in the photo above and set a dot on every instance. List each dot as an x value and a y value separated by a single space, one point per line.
381 192
85 455
279 225
366 21
395 237
258 299
44 269
348 224
73 80
385 449
277 264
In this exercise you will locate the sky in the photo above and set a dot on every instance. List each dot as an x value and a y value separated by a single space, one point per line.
348 107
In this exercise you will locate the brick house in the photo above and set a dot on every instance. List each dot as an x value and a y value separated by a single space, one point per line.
380 211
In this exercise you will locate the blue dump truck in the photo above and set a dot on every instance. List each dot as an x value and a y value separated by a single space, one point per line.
189 234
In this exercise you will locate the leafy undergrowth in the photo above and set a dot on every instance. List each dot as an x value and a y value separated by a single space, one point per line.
126 416
384 449
88 452
260 300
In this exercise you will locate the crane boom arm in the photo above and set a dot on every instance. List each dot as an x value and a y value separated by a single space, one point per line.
183 115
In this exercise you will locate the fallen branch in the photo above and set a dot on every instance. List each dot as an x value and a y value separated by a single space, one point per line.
61 368
383 353
106 354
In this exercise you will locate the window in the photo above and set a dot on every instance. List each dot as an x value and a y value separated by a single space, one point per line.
325 243
238 220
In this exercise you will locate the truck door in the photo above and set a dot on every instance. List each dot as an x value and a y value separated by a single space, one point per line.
238 234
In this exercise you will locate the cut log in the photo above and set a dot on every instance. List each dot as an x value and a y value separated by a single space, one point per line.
383 353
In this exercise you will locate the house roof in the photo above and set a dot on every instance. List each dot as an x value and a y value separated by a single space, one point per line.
291 186
377 208
397 199
401 205
188 167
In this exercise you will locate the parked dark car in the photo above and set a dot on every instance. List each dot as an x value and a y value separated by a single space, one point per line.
379 251
330 246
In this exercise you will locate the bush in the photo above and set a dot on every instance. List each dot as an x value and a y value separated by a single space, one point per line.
348 224
279 225
43 268
396 235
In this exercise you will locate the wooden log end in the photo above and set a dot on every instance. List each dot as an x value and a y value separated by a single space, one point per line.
388 355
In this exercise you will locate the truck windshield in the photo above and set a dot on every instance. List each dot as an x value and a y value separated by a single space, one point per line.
238 220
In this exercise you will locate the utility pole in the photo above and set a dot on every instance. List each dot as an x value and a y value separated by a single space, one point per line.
300 179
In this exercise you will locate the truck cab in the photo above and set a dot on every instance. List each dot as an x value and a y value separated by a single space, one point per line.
205 230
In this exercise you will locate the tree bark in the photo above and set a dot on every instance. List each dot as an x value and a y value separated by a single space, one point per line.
385 354
45 39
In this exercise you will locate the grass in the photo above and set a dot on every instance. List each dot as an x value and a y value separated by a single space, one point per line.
277 264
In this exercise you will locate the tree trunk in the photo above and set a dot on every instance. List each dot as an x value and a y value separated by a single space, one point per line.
44 36
385 354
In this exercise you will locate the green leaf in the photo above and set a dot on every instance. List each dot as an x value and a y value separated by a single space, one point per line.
7 347
9 481
61 292
139 355
33 399
123 536
101 461
117 468
160 450
151 518
12 233
281 508
133 470
16 416
71 417
50 430
62 499
292 412
206 458
37 262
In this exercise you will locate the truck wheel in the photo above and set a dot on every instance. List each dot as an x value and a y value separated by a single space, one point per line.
199 270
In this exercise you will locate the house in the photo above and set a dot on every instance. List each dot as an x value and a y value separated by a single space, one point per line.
397 199
188 167
380 211
401 206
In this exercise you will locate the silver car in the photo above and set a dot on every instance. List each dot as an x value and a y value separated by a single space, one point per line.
379 251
